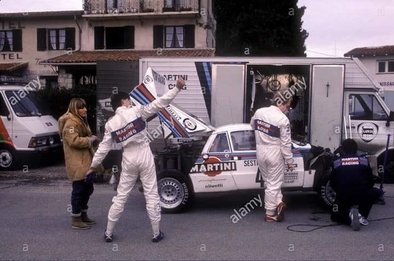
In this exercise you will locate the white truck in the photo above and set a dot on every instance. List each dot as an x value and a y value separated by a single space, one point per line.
24 129
337 98
200 159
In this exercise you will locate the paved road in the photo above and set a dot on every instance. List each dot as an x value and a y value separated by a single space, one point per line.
35 225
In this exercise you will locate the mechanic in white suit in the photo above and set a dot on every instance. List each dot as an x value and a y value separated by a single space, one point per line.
127 127
273 149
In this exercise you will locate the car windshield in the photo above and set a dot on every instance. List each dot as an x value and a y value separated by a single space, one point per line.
25 103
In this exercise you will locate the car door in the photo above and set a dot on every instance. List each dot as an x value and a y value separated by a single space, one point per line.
243 144
365 121
212 171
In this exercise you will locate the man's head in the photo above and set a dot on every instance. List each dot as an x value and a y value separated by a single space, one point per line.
281 101
349 146
120 99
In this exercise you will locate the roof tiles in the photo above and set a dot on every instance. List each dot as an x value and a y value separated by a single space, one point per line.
123 55
371 51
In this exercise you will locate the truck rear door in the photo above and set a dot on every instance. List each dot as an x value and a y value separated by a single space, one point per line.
228 82
326 105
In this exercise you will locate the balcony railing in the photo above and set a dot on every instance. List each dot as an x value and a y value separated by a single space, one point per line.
139 6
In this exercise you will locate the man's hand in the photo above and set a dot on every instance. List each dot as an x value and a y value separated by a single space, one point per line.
180 83
291 167
94 140
91 176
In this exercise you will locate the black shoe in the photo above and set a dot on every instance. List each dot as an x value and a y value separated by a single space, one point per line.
157 238
108 238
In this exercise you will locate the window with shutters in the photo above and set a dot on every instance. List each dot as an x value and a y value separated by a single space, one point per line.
173 36
386 66
11 41
114 37
55 39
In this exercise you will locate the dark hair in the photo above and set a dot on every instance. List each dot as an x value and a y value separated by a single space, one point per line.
349 146
116 99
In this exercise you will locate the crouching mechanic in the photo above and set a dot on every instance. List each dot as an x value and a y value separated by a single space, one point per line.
352 180
273 149
127 127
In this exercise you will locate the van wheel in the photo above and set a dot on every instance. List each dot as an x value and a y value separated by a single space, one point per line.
7 158
175 191
326 193
389 168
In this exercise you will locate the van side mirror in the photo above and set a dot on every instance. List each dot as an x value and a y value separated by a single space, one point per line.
391 118
9 116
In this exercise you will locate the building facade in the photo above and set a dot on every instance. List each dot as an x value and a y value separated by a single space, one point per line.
26 39
63 48
380 63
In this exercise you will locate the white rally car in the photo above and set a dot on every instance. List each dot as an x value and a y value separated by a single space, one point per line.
227 162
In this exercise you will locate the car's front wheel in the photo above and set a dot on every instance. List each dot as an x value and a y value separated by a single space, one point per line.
7 158
175 191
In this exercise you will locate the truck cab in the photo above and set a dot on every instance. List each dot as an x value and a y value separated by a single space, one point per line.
371 123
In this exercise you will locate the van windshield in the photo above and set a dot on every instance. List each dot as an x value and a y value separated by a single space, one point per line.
24 104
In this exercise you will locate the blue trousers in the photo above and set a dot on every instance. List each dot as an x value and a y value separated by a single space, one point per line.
80 196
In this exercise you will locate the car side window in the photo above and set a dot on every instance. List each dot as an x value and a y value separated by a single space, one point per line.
243 140
220 144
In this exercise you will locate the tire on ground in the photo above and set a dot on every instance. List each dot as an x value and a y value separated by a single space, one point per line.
175 191
389 168
7 158
325 191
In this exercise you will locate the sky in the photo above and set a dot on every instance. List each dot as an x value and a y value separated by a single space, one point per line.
9 6
337 26
334 26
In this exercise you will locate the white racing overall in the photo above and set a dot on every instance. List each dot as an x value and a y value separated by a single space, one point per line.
127 127
273 149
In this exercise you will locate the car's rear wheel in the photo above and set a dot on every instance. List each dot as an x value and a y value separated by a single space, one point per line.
175 191
326 193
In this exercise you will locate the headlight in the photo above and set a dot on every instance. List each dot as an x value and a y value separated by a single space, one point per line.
43 141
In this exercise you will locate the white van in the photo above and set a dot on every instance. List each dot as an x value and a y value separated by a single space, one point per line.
24 128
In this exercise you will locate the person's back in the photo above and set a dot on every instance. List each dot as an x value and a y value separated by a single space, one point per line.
268 121
352 181
351 175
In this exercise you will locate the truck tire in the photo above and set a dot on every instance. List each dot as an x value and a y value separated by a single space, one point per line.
175 191
326 193
389 168
7 158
